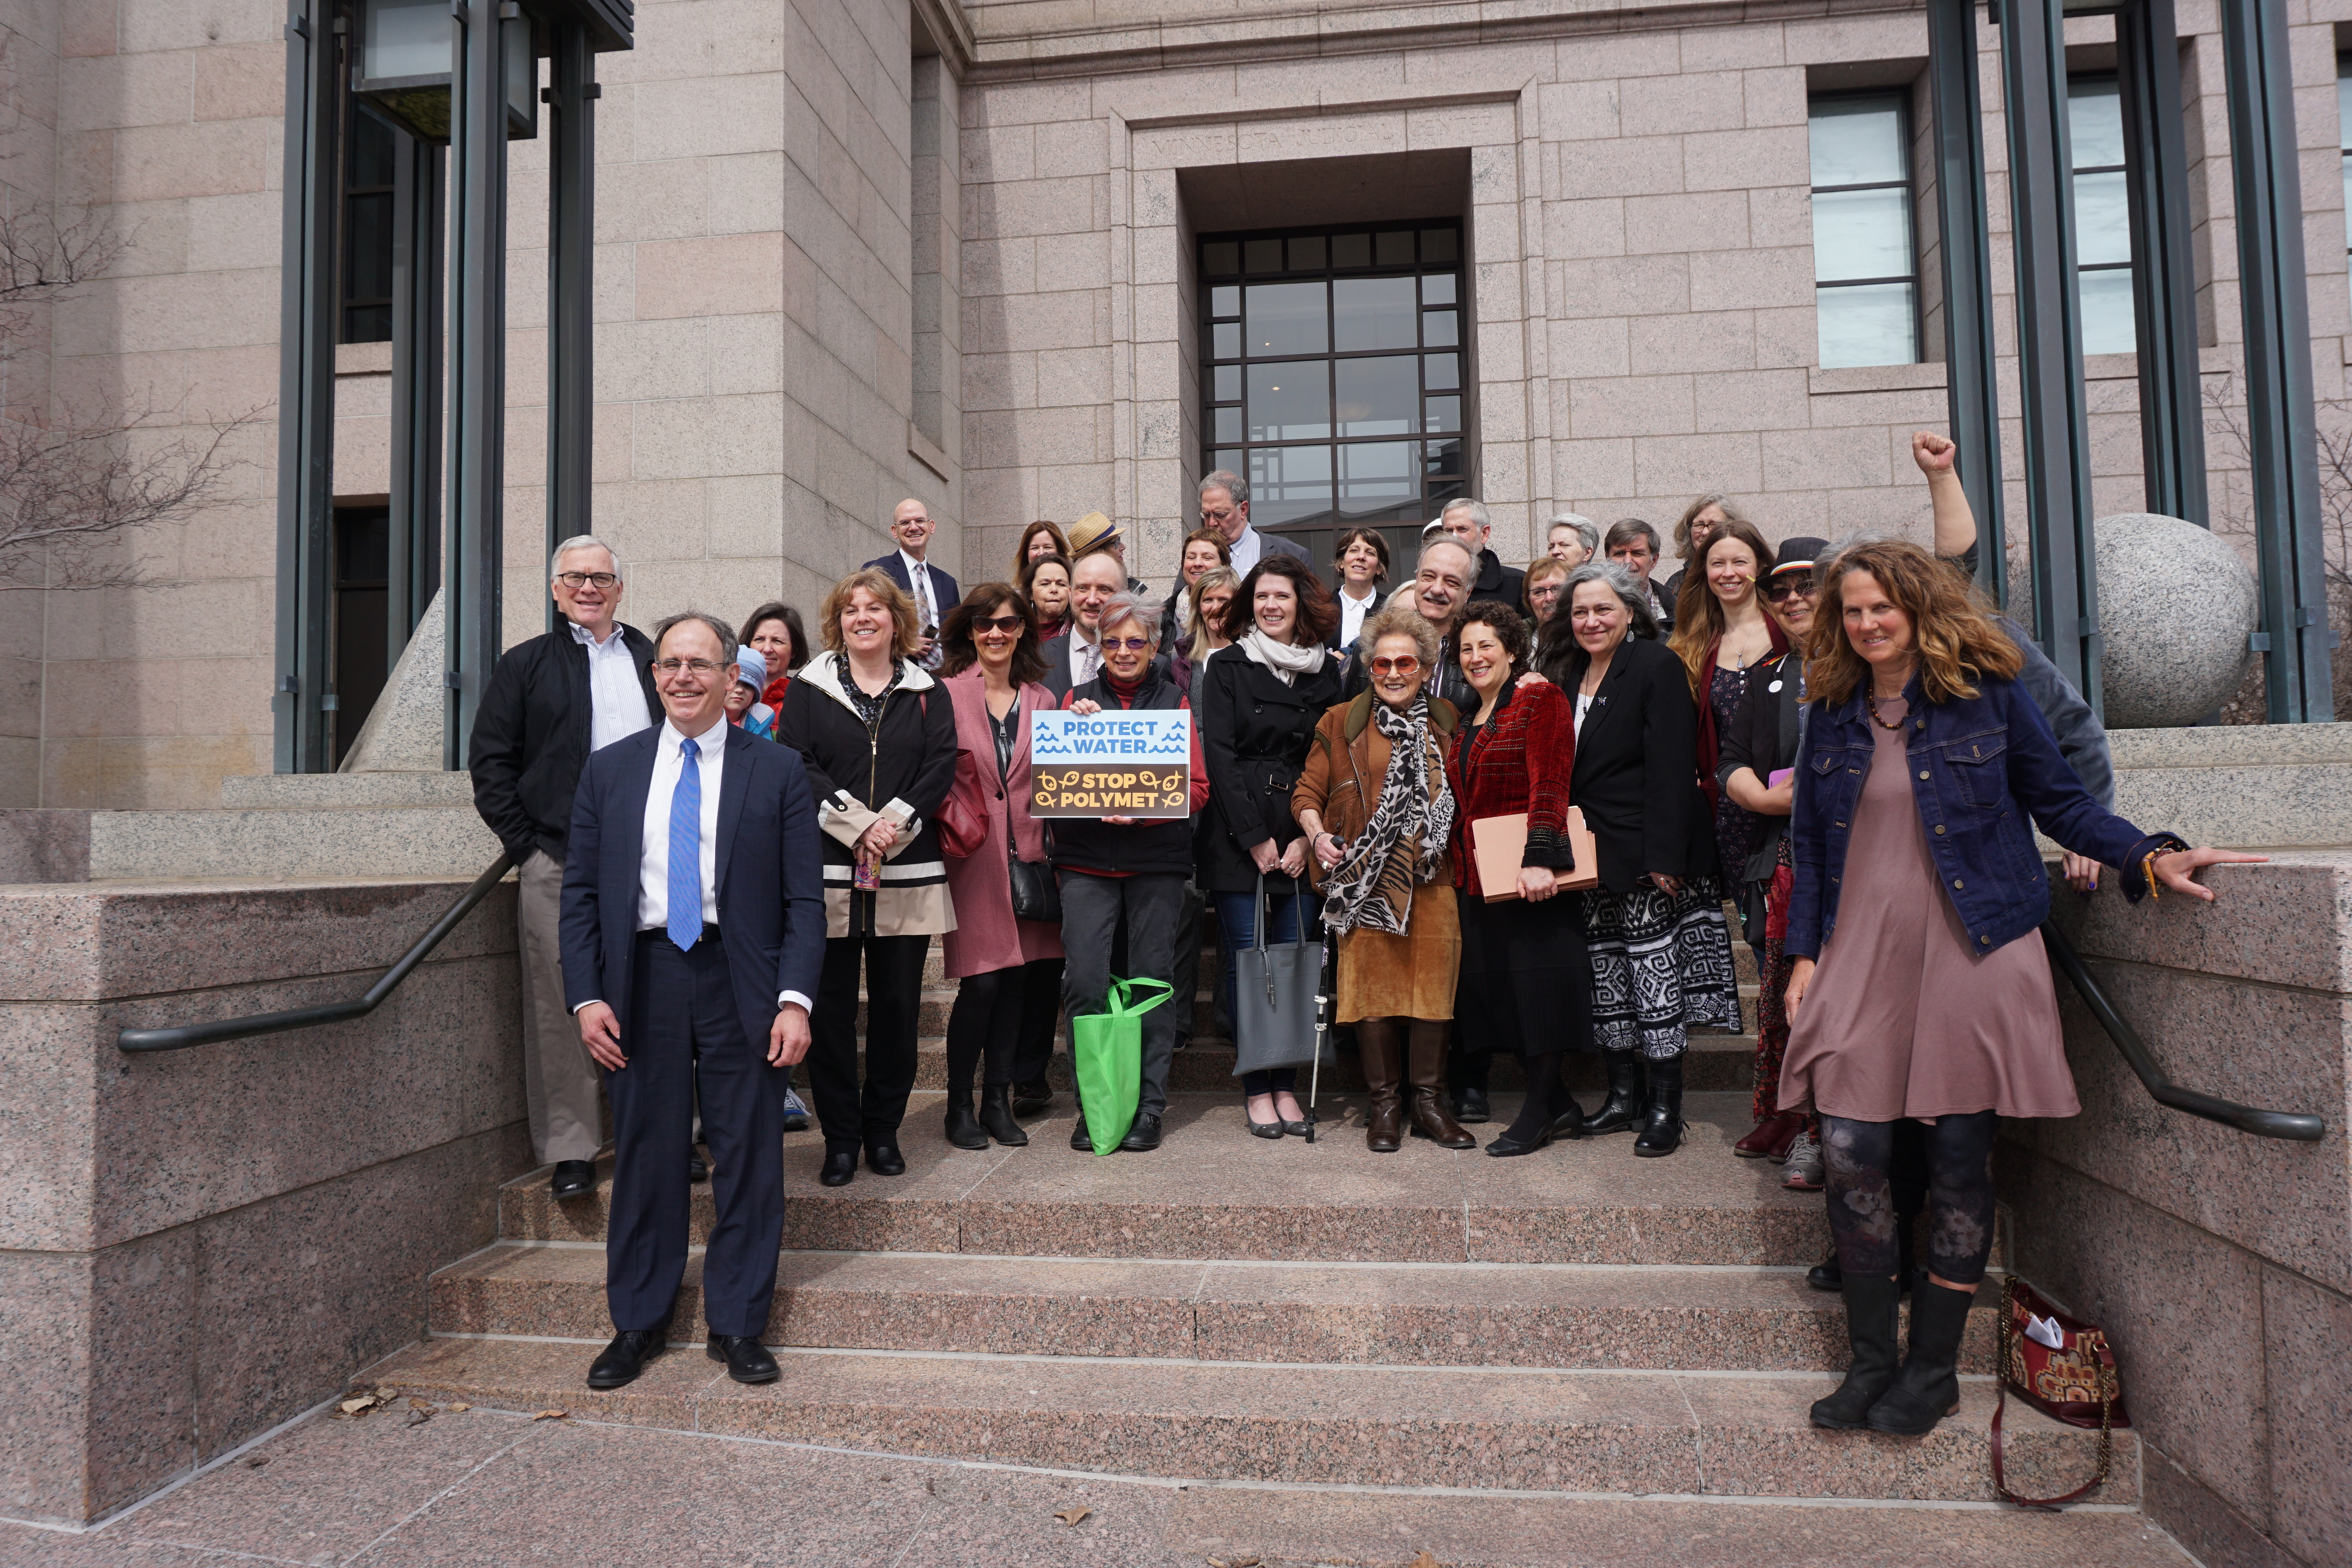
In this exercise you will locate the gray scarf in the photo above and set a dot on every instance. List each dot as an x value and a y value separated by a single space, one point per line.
1405 839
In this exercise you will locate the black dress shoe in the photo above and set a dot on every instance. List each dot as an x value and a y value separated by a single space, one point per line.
840 1166
1029 1099
1504 1145
884 1159
626 1356
746 1359
1078 1138
1826 1275
575 1179
1470 1105
697 1168
1143 1137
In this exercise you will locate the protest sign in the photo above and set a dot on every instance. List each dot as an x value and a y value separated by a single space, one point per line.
1117 763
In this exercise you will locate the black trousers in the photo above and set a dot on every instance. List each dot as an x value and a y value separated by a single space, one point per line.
683 1021
894 990
1040 1010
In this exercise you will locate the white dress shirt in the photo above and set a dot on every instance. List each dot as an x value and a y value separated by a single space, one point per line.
653 863
1247 550
1352 612
616 700
919 583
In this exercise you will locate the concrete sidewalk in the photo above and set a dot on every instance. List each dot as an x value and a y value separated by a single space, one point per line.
498 1488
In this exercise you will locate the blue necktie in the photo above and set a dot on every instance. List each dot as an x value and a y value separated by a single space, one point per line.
685 852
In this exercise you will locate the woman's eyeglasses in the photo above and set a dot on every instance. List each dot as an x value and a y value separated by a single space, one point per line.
1408 665
999 622
1779 588
1131 645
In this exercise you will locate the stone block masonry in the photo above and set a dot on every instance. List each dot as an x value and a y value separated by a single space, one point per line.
196 1245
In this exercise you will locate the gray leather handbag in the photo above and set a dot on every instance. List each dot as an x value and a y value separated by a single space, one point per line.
1274 999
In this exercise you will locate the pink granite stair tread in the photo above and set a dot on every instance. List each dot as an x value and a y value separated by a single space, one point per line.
532 1375
1728 1319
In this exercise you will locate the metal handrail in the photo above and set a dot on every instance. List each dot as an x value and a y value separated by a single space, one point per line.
180 1037
2291 1125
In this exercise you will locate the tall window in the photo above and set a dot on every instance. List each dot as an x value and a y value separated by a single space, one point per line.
1865 261
2103 256
2343 136
367 229
1334 375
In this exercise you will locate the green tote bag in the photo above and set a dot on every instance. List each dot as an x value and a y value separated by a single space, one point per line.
1107 1048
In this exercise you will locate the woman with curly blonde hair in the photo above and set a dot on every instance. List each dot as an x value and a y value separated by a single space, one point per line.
1918 988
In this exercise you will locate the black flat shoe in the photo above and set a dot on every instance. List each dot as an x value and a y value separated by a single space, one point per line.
1143 1137
1503 1145
697 1168
746 1359
1029 1099
1470 1106
1078 1139
626 1356
884 1159
840 1167
575 1179
1826 1275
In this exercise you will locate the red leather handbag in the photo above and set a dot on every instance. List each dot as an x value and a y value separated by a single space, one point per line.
2064 1368
964 824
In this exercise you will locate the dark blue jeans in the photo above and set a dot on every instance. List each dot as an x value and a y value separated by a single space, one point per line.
1237 929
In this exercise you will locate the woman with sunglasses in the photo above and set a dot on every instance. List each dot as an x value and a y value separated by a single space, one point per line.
1377 810
1008 970
1259 701
1755 772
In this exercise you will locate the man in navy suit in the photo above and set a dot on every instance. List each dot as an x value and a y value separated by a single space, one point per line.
933 591
693 933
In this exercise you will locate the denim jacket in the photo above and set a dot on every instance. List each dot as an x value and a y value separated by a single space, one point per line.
1983 770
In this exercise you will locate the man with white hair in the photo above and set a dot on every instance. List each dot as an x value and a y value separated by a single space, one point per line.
1469 521
551 700
1439 590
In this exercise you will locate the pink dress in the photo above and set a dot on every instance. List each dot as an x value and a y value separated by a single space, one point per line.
1902 1018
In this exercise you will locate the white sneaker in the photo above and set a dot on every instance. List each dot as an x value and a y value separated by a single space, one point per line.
1803 1170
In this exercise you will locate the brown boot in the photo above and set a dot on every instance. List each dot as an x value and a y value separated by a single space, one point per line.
1425 1071
1383 1052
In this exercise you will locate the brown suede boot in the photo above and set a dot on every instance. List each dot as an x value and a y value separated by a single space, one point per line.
1425 1071
1383 1052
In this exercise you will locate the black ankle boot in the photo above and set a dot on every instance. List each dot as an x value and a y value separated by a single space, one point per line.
1928 1389
1873 1309
964 1130
1661 1119
996 1116
1622 1110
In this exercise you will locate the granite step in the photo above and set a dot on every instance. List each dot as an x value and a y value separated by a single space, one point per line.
1549 1316
1714 1062
1621 1432
1213 1191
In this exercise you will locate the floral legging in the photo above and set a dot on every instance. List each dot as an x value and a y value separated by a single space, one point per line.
1772 995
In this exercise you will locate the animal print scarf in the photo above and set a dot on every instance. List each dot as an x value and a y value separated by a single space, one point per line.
1405 839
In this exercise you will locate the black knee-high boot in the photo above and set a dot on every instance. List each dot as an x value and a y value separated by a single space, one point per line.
1928 1389
1872 1315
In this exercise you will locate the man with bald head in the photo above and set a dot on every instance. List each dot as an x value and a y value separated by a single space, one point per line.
933 591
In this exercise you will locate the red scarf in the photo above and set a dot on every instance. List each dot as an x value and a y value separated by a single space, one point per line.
1124 691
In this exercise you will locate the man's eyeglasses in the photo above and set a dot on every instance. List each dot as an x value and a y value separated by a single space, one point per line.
1217 519
692 666
582 579
999 622
1408 665
1779 588
1131 645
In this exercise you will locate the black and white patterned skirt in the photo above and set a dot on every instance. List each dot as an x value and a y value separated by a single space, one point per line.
1661 965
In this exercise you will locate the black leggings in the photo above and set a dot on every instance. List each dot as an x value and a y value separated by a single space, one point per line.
1861 1156
986 1020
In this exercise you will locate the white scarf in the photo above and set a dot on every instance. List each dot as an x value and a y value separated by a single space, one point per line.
1287 660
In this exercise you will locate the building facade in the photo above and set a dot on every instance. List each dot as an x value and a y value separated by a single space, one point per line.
1030 258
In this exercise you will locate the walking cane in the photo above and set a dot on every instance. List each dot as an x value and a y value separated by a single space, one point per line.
1326 1003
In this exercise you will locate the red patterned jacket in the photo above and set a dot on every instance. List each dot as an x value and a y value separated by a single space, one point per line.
1520 760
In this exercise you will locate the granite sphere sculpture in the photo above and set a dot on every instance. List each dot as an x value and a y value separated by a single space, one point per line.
2176 606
